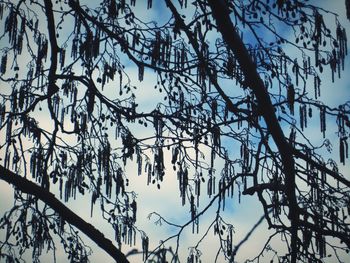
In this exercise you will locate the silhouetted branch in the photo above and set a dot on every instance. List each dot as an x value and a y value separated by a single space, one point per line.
261 187
234 42
321 167
234 252
66 214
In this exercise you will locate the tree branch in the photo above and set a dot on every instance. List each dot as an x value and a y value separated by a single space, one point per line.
235 44
234 252
68 215
181 23
321 167
262 187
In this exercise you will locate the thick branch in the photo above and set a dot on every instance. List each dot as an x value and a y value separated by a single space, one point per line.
52 87
321 167
235 44
68 215
261 187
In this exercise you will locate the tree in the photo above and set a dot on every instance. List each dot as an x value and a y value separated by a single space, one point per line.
237 99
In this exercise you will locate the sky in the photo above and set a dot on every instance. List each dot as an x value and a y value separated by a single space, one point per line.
165 200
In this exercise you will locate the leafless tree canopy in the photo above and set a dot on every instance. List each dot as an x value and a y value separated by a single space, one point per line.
237 93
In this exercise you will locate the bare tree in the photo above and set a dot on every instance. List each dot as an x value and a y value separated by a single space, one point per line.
238 82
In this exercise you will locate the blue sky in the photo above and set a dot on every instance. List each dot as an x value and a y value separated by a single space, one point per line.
166 201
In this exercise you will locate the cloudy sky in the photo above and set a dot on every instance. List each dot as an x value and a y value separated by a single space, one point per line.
166 201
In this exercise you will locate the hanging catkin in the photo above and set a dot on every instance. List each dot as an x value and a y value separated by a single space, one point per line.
323 177
301 116
291 97
317 82
145 242
323 120
305 68
141 72
295 70
1 10
342 151
305 115
139 161
209 187
3 64
62 57
11 26
183 184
